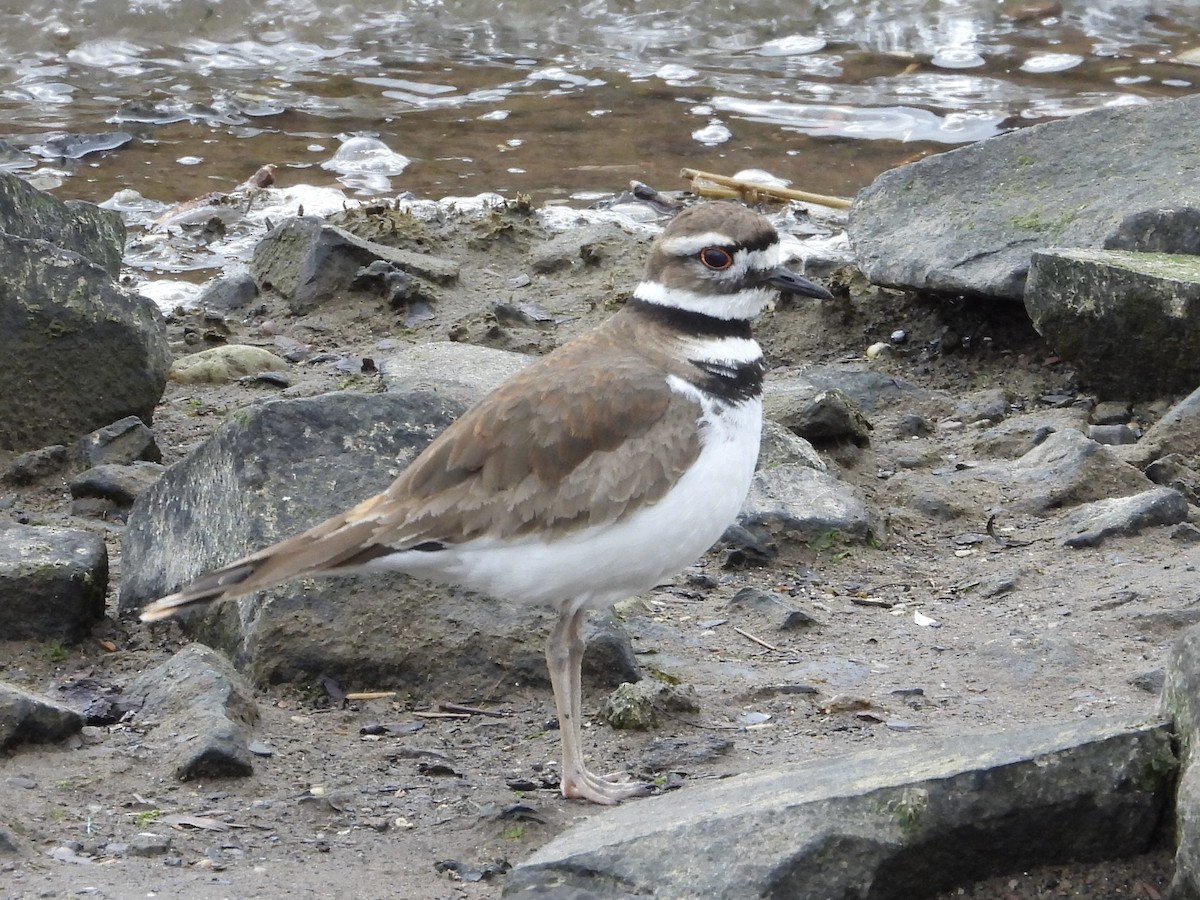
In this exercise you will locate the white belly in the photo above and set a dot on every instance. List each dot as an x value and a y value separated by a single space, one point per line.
598 566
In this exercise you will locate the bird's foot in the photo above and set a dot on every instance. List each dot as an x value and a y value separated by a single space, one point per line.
603 789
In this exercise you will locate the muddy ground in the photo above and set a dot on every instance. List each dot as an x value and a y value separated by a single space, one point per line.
432 814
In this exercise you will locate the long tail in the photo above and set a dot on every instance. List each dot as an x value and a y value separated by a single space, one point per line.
223 584
335 545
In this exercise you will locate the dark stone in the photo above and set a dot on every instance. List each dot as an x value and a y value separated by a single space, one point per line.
990 405
84 228
1094 522
119 484
305 260
681 754
28 467
78 351
1180 700
1172 229
1176 471
121 442
1177 432
609 659
805 505
588 245
53 582
1129 322
202 710
229 292
26 718
1113 435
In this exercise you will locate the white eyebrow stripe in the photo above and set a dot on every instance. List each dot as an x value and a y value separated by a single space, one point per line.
687 244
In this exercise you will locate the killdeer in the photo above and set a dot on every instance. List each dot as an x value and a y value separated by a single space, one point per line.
588 477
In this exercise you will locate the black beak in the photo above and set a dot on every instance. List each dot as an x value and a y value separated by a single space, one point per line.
789 282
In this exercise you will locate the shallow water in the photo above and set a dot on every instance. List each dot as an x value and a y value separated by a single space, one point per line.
550 99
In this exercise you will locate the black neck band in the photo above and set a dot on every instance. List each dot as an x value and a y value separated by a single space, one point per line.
689 322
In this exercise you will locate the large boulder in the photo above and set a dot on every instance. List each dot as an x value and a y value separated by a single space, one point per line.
890 825
1110 312
79 352
84 228
53 582
968 221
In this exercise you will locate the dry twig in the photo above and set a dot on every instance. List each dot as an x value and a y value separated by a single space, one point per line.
709 184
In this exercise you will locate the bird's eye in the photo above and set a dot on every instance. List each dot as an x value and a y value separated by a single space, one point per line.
716 257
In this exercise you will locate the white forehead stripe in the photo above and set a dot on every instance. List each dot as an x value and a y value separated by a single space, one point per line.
687 244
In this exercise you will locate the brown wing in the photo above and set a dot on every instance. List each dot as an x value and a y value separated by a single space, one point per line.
578 438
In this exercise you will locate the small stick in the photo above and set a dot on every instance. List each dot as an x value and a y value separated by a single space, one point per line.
757 640
441 715
470 710
748 187
370 695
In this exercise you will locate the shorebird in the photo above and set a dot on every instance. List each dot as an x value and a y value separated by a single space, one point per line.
591 475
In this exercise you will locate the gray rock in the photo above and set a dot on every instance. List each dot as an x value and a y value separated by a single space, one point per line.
239 491
882 824
828 415
307 260
1017 436
1129 322
120 443
610 659
910 425
1092 180
26 718
869 390
28 467
780 447
1113 435
202 708
1180 700
1151 681
1110 412
83 228
588 245
637 706
1067 469
119 485
803 504
675 754
79 352
227 292
461 372
52 582
149 844
934 496
1178 431
1090 524
1178 473
989 405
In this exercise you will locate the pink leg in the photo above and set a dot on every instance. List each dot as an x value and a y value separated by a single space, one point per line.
564 657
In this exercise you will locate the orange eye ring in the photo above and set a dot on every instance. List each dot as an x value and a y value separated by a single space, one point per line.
716 258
